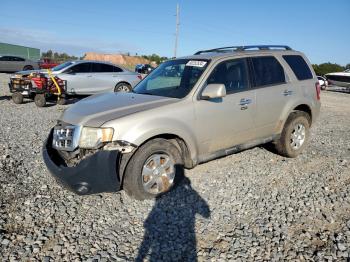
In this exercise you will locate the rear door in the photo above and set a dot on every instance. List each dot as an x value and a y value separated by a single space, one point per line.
4 63
18 63
228 121
272 93
8 64
102 79
79 78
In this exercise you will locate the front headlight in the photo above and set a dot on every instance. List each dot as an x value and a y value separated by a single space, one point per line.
92 137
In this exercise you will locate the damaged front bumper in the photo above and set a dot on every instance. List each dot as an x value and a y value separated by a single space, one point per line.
96 173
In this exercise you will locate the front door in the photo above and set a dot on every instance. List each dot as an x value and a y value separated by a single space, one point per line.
225 122
79 78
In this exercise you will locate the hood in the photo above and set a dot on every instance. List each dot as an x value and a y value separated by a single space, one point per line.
95 110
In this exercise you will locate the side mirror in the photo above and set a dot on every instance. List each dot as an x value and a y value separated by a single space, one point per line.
69 71
213 91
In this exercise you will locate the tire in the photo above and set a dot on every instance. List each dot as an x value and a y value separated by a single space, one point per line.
297 123
28 67
136 175
40 100
17 98
62 101
123 87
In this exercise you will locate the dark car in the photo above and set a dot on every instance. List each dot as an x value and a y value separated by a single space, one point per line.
15 63
143 68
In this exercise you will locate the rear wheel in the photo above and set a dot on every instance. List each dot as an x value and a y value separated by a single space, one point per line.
295 134
40 100
153 170
122 87
17 98
28 67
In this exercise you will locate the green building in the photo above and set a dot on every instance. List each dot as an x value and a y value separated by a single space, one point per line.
22 51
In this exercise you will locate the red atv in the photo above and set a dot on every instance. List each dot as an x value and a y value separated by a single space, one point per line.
37 86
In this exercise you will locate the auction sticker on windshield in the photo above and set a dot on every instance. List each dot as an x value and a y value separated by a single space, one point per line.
196 63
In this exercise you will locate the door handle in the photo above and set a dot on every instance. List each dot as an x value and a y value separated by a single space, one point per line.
245 101
89 76
287 92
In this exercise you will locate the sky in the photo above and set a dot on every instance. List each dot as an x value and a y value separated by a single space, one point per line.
319 28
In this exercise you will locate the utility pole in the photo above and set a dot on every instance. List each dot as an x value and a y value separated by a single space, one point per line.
177 29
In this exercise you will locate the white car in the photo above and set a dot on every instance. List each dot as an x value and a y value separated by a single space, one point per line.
86 77
323 82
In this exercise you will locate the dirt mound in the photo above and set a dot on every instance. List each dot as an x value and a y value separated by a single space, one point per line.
117 59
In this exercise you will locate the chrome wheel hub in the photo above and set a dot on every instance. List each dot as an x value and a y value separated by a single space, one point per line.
297 137
123 88
158 174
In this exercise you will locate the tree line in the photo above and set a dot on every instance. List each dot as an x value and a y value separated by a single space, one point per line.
326 68
320 69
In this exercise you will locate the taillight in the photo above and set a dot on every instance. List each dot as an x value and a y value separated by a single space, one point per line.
318 90
139 77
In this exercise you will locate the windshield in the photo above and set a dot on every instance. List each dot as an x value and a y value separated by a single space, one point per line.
61 66
174 78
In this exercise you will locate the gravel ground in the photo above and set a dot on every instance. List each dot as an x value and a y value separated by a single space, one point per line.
254 205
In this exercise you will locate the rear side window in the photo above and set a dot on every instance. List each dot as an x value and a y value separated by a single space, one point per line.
267 71
299 66
5 58
117 69
102 68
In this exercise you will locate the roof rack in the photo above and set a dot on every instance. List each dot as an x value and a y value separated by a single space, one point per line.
243 48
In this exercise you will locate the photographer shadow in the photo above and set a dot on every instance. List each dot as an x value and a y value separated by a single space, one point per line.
170 226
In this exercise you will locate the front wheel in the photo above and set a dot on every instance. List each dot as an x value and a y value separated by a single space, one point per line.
295 134
28 67
123 87
17 98
153 170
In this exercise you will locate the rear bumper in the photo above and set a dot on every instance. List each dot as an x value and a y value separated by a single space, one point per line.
95 174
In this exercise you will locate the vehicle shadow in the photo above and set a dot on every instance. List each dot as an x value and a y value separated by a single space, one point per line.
8 98
170 226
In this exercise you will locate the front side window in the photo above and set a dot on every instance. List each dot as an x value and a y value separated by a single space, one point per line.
61 66
299 66
17 59
174 78
267 71
80 68
232 73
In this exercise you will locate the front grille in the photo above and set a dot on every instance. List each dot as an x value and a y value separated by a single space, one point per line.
66 137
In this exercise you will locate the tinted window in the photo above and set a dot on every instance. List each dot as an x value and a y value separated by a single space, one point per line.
267 71
61 66
81 68
232 73
14 58
299 66
117 69
4 58
102 68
